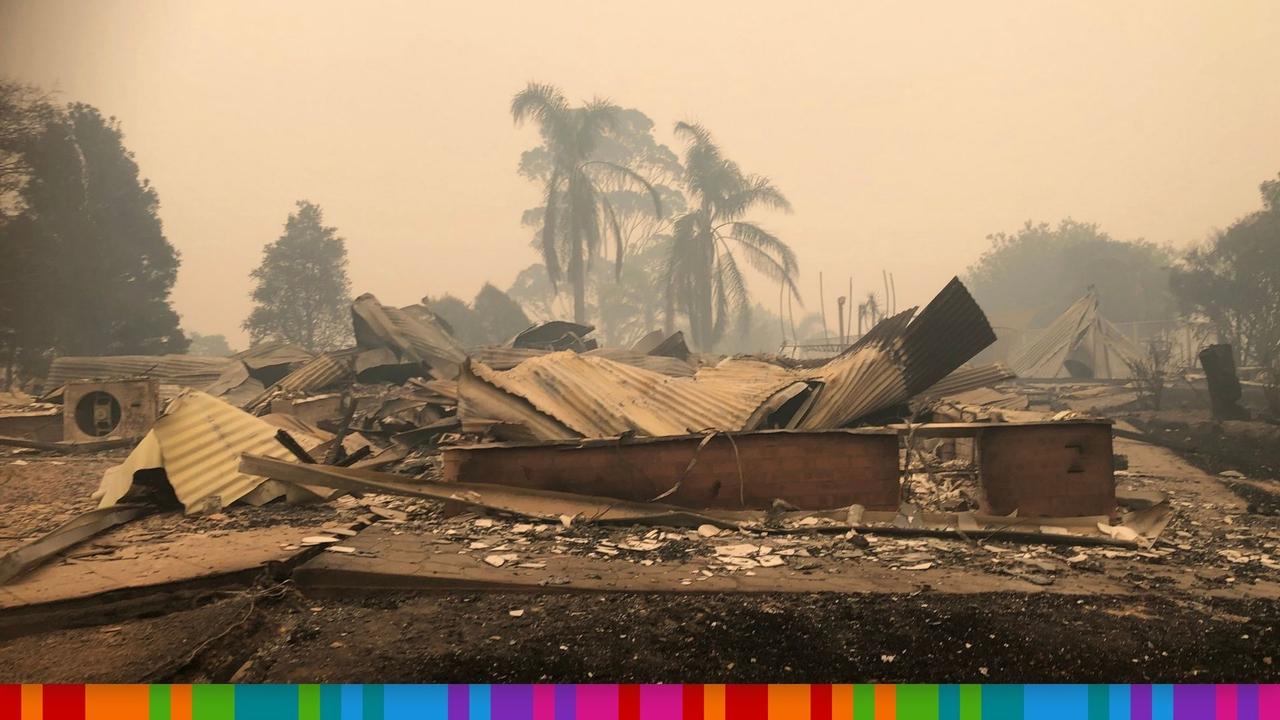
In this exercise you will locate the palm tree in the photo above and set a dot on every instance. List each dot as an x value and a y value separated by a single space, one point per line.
874 313
577 217
702 275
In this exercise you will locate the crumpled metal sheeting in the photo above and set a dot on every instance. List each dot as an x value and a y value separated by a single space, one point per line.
322 372
945 335
596 397
188 370
556 335
268 354
1080 333
480 403
657 363
966 378
898 359
411 335
501 357
318 374
505 358
853 385
198 443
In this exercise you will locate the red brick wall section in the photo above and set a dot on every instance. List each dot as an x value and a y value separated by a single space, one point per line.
810 470
1060 470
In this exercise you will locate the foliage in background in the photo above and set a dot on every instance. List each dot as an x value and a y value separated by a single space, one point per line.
209 345
1049 268
1234 282
301 293
577 216
460 320
492 318
1151 371
25 111
623 308
87 267
500 317
702 276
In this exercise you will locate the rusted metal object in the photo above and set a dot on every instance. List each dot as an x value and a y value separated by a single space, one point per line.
808 470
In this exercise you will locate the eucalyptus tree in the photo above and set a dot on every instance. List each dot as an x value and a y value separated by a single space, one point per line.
702 274
577 217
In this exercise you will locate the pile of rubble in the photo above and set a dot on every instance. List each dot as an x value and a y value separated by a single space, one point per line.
872 453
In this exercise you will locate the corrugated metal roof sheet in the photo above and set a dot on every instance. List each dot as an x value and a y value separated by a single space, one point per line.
657 363
318 374
898 361
1082 335
189 370
595 397
504 358
198 442
410 332
555 335
967 378
273 353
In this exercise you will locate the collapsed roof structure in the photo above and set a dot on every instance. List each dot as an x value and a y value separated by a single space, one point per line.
551 422
1079 344
565 395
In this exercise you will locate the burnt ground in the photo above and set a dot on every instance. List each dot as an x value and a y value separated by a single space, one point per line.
1251 447
1248 447
1002 637
273 633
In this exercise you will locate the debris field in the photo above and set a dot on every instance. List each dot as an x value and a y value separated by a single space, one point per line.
410 509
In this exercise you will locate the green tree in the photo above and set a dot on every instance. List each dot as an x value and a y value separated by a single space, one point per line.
301 291
1048 268
88 269
577 215
702 276
1234 282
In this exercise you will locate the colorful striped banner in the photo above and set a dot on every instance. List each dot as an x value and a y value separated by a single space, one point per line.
639 702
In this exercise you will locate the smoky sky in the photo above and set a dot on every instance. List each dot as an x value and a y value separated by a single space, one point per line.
902 133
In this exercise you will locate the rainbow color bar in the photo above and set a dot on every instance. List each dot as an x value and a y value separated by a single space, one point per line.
639 702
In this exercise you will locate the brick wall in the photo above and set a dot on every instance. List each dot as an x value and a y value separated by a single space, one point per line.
811 470
1047 470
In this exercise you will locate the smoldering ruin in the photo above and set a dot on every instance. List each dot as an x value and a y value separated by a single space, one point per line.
366 355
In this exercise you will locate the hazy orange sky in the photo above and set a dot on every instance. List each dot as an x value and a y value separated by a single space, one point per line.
903 133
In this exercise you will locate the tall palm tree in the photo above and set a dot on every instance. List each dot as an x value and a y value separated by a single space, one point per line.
702 276
874 312
577 217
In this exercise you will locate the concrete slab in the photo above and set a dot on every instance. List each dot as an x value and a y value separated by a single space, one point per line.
179 558
385 560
